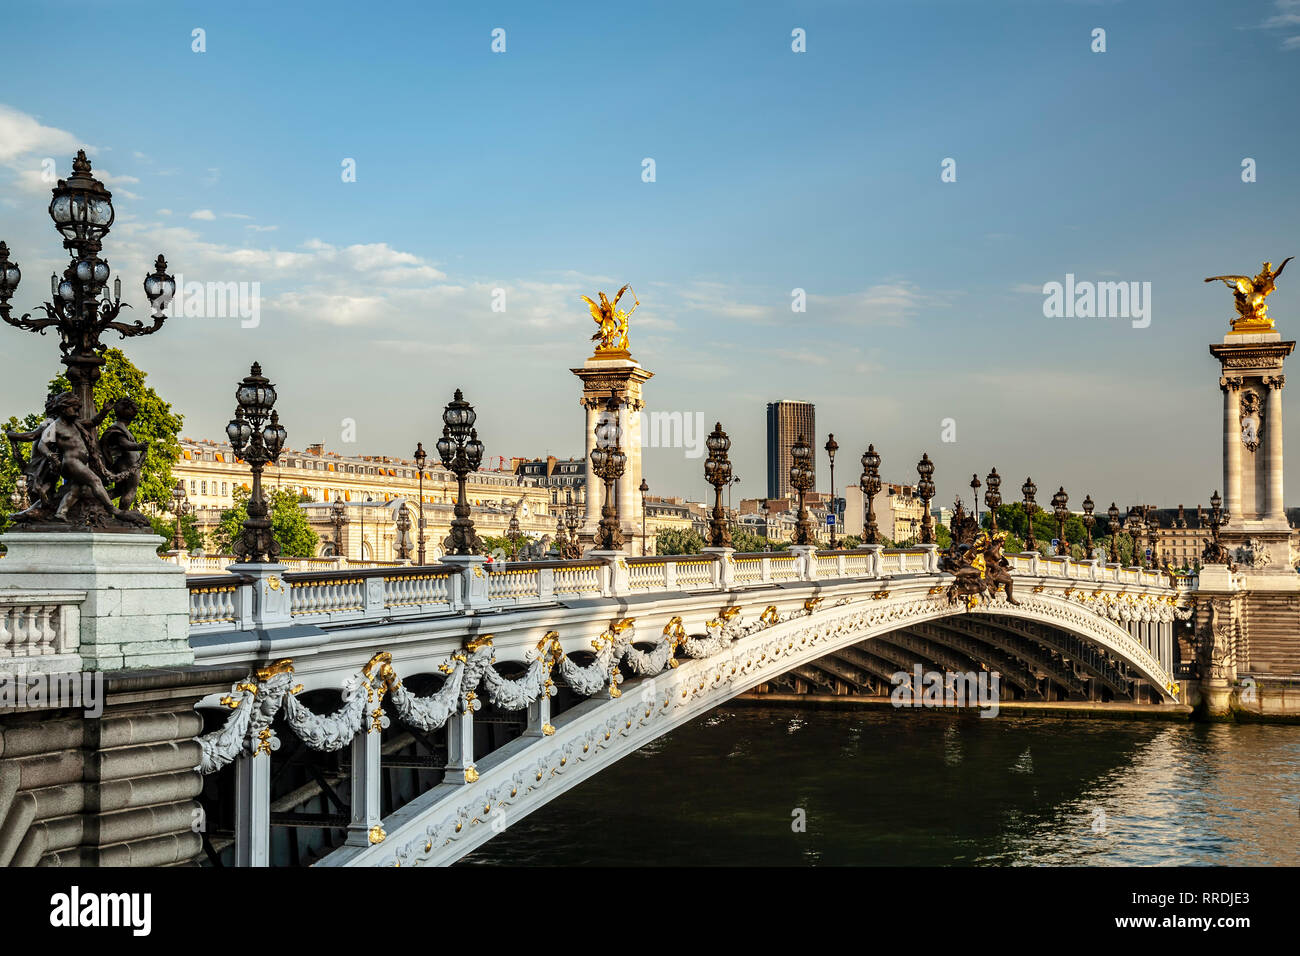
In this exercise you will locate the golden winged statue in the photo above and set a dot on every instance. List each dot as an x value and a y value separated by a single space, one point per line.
612 335
1249 295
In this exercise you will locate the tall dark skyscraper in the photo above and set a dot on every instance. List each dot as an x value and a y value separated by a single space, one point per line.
786 421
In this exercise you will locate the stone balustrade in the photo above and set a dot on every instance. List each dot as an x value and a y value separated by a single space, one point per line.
224 601
40 630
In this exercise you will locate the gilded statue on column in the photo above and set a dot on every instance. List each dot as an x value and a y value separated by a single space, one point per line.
1250 295
612 334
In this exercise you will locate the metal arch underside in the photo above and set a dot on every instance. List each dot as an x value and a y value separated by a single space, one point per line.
449 821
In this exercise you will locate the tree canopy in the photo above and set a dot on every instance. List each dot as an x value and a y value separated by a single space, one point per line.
288 524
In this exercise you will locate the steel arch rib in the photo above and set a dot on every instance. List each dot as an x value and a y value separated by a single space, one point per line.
445 823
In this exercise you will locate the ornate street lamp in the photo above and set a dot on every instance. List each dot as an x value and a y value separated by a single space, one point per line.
256 435
1153 536
1088 522
993 498
420 457
361 552
572 549
644 488
802 476
717 472
1215 552
403 534
461 453
1029 490
975 497
925 488
832 446
180 508
338 516
1060 508
870 485
1134 525
608 461
82 310
1112 517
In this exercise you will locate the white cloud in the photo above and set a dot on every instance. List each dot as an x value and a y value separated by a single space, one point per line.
207 215
23 135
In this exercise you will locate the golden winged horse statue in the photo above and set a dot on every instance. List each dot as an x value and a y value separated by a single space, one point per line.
1250 295
612 335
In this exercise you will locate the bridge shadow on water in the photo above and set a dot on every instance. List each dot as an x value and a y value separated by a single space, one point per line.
923 788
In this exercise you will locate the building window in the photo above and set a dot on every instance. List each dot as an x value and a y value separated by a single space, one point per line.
223 489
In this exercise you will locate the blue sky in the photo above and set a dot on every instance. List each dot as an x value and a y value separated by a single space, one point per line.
775 170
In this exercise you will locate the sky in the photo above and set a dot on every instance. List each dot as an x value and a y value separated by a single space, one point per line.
774 170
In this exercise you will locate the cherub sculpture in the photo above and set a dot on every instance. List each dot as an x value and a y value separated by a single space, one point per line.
612 335
1250 295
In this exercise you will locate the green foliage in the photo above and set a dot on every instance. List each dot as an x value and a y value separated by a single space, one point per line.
9 467
742 539
192 537
678 541
288 524
508 544
156 425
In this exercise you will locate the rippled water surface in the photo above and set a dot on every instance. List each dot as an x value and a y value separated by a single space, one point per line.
879 787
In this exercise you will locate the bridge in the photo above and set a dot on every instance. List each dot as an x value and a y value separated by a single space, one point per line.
449 701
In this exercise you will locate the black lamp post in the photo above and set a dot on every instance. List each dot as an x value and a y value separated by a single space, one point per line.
975 497
81 310
403 533
361 552
870 485
461 453
717 472
608 461
1153 536
993 498
1060 508
420 457
338 515
925 488
572 549
180 508
801 480
1112 517
1029 490
1215 552
1135 526
832 446
644 488
256 435
1088 522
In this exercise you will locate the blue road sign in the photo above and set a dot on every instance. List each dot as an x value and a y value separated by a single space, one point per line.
830 521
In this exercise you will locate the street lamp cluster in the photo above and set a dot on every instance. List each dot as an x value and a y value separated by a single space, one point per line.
75 486
608 461
802 477
717 472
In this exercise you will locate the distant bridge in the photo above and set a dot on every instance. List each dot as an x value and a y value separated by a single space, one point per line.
542 674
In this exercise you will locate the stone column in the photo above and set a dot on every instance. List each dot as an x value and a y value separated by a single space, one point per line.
1231 449
1276 508
595 487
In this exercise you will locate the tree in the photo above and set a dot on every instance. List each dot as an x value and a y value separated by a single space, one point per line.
191 536
507 544
678 541
289 523
742 539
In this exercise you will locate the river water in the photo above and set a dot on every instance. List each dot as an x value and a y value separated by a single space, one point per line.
924 788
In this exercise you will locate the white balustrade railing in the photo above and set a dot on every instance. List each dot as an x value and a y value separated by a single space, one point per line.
417 590
694 572
219 601
647 575
326 595
213 601
579 579
514 583
39 624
